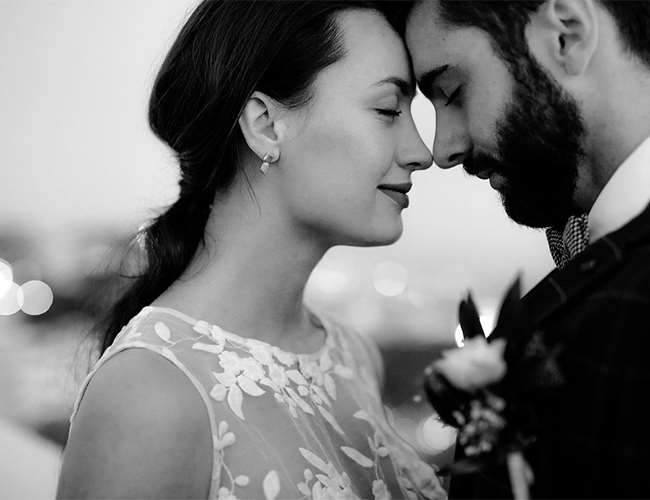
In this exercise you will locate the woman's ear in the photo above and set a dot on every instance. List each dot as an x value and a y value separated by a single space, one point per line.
563 35
259 125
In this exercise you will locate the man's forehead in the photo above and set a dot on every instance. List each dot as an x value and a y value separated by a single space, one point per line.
429 40
424 16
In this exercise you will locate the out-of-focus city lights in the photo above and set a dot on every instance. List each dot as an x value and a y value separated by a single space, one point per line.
37 297
435 436
6 277
390 279
488 320
11 301
416 298
328 281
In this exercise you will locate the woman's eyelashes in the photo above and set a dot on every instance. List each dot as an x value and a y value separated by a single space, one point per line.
388 112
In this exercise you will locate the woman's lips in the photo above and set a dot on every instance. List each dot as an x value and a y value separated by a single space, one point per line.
400 198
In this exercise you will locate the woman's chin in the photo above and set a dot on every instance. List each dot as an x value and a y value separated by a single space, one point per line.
379 237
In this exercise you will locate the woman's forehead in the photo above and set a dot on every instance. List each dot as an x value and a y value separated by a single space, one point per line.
374 54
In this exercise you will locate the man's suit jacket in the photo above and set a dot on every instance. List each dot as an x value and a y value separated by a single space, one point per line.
594 440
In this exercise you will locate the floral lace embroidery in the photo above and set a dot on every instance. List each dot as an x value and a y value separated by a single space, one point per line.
300 382
224 439
328 483
292 378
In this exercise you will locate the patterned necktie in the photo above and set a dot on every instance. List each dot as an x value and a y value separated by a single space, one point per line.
567 242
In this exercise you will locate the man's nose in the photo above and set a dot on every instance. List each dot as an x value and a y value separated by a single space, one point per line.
451 144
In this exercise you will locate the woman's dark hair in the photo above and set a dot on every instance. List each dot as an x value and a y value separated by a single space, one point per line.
224 52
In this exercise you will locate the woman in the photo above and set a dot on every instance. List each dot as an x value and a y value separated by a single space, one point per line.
291 123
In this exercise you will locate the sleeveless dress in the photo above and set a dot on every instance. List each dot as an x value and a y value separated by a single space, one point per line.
285 425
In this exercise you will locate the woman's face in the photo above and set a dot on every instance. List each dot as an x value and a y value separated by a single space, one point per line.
351 151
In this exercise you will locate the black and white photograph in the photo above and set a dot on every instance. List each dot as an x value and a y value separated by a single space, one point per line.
324 249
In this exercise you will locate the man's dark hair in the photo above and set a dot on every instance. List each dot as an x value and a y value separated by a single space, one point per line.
633 20
505 22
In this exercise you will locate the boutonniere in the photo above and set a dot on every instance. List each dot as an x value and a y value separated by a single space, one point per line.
487 389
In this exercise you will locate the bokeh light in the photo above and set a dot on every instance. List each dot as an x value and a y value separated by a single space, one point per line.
488 321
390 279
37 297
11 301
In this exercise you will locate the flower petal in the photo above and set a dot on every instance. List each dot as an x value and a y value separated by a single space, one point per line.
169 355
321 394
162 330
211 348
249 386
202 327
269 383
331 420
299 401
225 378
218 392
357 456
285 358
296 377
326 481
217 334
314 460
304 489
271 485
133 334
235 398
362 415
325 361
228 440
344 371
242 480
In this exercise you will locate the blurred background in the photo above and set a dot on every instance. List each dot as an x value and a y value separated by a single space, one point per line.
81 172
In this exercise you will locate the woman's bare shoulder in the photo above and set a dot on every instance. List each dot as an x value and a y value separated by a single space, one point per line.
142 431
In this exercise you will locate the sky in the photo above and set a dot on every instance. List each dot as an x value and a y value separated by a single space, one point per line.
77 153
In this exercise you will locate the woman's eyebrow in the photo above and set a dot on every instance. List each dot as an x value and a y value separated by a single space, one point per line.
405 87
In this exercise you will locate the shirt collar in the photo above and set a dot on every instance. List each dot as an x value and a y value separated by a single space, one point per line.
625 195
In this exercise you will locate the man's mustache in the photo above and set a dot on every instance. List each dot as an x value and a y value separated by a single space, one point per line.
482 162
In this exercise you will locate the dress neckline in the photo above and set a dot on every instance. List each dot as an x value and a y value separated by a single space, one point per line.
250 341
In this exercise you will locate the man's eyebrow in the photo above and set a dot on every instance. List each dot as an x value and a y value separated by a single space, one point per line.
406 88
426 81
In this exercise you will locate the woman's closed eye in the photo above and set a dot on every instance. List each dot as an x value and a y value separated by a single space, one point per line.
392 113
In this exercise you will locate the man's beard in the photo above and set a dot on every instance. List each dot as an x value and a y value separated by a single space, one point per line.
539 143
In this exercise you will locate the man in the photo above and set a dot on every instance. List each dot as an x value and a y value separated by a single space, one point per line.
550 101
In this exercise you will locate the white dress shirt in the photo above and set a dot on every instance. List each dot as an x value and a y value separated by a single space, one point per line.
625 195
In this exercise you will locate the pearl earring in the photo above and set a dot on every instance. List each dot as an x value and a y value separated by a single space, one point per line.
267 160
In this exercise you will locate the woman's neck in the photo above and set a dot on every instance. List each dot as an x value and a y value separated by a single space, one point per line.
249 277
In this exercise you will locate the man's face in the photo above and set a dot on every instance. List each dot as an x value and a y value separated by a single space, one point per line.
519 129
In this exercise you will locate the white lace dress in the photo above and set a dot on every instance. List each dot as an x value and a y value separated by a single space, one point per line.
285 425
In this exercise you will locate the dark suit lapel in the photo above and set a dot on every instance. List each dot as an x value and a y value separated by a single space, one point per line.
563 286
